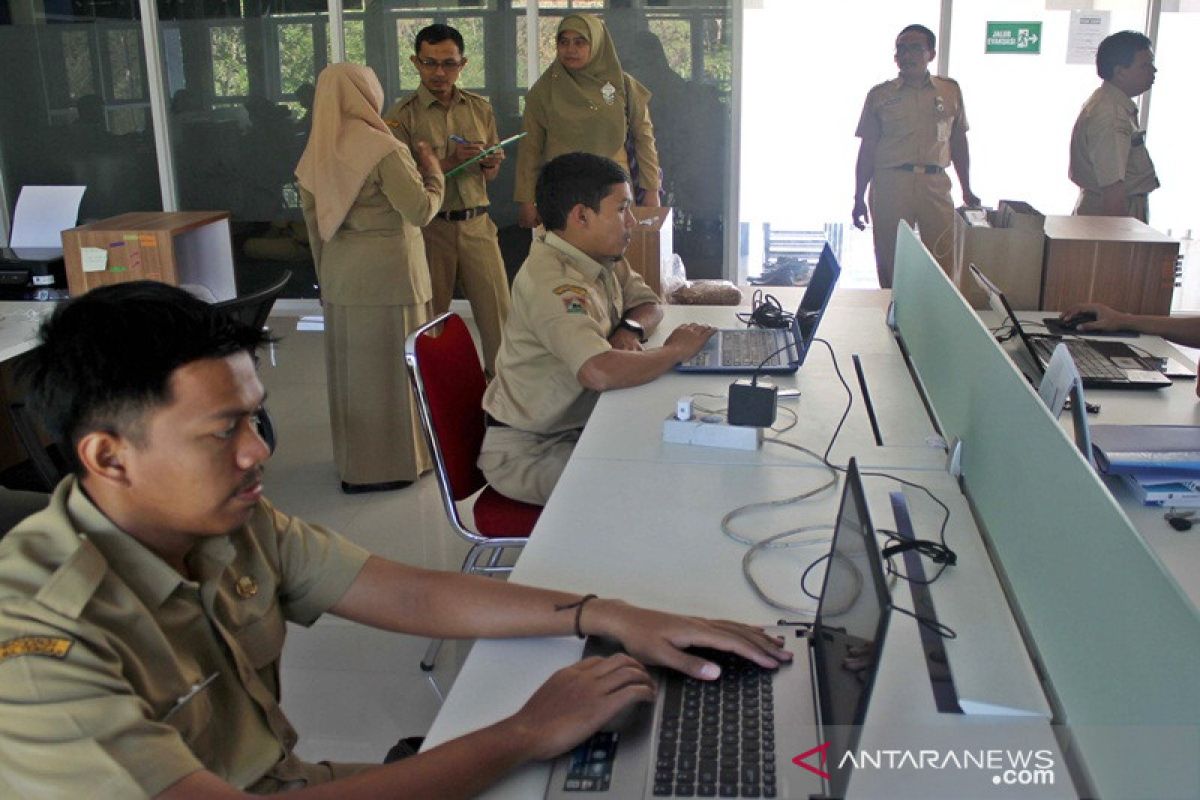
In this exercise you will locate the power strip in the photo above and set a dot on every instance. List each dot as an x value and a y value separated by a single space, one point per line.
711 434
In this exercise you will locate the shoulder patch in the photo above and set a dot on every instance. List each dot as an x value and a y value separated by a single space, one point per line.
573 296
49 646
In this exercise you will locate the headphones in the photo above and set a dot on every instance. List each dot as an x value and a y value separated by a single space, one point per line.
936 552
766 312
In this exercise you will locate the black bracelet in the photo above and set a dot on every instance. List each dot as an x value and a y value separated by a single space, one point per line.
578 606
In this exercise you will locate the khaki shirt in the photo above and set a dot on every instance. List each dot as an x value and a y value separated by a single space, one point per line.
1108 145
377 256
103 646
545 141
565 305
422 117
913 123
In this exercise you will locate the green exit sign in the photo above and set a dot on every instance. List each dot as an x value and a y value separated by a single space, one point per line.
1014 37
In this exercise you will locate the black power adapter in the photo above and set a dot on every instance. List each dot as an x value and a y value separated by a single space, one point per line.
751 405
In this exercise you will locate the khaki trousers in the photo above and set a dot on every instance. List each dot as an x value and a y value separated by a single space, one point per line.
919 199
525 466
468 253
377 436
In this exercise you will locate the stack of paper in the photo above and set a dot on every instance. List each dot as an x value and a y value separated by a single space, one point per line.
1160 463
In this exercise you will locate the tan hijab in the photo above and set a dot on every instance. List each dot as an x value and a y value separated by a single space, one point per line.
588 105
347 141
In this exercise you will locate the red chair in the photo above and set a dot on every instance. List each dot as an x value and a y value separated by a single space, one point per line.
448 380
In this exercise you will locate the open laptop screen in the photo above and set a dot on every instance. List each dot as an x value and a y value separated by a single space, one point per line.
850 626
816 298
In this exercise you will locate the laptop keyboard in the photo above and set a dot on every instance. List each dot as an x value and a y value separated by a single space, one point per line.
751 347
717 738
1091 364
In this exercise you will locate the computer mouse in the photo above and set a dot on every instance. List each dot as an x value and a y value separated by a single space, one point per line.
1075 320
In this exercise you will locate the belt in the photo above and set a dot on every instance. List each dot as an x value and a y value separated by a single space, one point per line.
463 214
928 169
492 422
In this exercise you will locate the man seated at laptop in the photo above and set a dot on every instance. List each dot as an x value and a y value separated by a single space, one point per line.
579 319
1181 330
142 614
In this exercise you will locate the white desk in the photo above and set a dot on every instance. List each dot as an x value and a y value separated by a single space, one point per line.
624 424
1178 552
636 519
19 322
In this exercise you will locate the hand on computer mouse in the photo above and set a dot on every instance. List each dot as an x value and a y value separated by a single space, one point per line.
1093 317
1075 320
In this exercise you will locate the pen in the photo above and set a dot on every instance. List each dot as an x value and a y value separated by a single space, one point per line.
183 699
454 137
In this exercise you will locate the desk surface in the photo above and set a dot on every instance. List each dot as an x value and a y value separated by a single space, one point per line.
664 549
627 423
1179 552
19 323
642 523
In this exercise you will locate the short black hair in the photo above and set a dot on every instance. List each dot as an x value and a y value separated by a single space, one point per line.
571 179
1119 50
438 33
930 39
106 357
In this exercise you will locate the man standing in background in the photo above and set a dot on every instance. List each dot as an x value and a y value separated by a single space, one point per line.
1109 160
912 127
460 242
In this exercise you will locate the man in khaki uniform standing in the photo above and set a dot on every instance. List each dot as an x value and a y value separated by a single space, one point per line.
460 242
143 613
580 317
1109 160
912 128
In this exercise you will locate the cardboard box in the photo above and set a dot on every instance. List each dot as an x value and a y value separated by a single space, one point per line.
1008 250
652 248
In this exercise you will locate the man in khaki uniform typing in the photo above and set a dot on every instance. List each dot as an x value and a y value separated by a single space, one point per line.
912 128
460 242
1109 160
580 317
143 613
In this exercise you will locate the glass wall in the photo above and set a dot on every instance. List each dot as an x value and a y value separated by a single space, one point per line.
74 107
681 52
1022 107
803 87
1173 207
240 79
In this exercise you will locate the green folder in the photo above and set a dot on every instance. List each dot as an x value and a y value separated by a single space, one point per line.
484 154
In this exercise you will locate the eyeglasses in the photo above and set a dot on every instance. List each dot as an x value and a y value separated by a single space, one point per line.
910 48
449 65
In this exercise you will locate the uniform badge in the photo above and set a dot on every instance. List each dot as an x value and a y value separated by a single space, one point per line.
574 304
939 105
246 587
48 646
609 93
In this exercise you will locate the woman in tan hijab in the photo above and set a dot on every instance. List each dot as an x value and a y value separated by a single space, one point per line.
365 200
585 102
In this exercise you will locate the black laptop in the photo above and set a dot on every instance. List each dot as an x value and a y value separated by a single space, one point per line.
772 350
755 732
1102 365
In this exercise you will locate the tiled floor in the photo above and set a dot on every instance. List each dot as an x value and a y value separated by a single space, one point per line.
350 691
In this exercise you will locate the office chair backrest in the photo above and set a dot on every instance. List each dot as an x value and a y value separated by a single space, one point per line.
450 383
51 465
253 309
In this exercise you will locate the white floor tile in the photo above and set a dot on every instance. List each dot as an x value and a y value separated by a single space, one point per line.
350 691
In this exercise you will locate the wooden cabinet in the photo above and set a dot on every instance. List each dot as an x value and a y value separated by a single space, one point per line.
175 247
1119 261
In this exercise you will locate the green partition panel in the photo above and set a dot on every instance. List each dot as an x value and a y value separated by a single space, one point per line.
1116 638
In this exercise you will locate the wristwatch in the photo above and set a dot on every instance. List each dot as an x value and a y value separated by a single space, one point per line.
635 326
